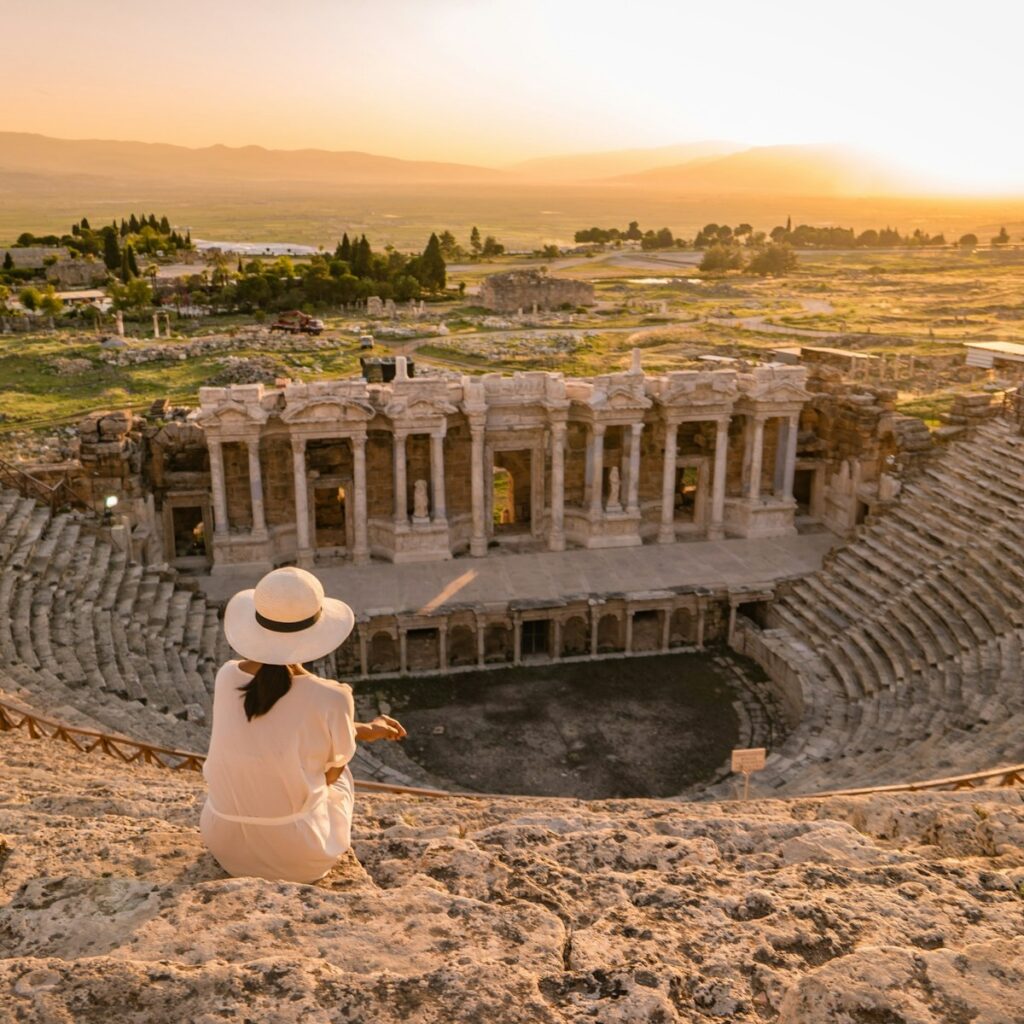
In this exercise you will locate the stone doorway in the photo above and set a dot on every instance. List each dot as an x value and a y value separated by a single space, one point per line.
803 491
687 492
189 531
535 641
511 492
330 516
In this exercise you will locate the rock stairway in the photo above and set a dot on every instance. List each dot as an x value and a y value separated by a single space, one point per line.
917 630
898 908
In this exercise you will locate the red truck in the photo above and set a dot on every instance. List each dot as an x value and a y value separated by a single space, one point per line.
297 322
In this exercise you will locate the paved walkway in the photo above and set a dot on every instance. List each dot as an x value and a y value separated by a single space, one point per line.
547 576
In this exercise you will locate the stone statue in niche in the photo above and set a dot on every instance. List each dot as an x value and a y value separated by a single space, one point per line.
420 501
614 488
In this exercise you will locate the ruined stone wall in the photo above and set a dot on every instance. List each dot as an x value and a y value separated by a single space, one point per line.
523 289
380 499
278 480
458 455
236 485
575 464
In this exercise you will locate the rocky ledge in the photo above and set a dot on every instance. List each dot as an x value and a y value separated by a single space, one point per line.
903 909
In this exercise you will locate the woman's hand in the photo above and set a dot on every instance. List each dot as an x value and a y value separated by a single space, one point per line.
383 727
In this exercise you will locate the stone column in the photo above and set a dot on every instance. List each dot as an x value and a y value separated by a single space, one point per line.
666 628
700 623
259 521
628 645
596 470
478 540
556 539
304 552
442 646
556 643
716 527
403 651
667 531
364 657
633 500
517 640
595 616
220 498
755 438
401 488
361 546
481 640
437 477
790 472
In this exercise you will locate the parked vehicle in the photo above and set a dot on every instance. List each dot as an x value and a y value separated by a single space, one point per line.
366 341
297 322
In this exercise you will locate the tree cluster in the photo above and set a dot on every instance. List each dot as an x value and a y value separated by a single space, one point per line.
605 235
775 259
352 273
145 234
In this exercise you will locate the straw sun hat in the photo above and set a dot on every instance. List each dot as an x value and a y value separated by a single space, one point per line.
286 620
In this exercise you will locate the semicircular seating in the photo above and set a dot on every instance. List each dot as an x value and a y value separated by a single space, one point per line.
908 642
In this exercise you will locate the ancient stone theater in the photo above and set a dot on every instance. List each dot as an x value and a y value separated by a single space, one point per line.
429 468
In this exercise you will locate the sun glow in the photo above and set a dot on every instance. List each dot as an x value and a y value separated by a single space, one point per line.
931 86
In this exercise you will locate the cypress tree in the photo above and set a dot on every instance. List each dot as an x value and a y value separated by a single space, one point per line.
433 269
132 265
361 256
165 226
133 224
85 224
188 238
124 227
345 249
153 222
8 261
111 250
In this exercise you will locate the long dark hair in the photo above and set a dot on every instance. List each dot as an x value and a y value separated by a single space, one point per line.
265 689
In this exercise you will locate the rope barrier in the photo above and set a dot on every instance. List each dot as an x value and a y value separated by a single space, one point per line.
130 751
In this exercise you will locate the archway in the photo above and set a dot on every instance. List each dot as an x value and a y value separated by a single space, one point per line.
575 637
681 632
461 646
609 634
383 653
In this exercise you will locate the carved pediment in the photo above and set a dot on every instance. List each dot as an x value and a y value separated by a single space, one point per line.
416 408
769 384
620 398
701 388
232 414
327 409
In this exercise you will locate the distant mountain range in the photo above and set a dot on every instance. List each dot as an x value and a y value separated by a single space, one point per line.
694 169
41 155
615 162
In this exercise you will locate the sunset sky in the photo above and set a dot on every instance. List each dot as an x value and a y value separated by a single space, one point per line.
933 85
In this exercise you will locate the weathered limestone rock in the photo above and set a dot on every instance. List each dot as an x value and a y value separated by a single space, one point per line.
883 908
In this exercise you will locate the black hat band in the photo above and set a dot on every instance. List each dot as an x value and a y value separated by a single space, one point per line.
289 627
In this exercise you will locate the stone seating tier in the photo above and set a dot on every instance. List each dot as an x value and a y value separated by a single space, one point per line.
918 624
132 647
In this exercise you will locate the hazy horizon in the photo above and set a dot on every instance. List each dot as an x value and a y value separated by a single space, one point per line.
496 83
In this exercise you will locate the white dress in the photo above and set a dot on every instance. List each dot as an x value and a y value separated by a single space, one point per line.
269 811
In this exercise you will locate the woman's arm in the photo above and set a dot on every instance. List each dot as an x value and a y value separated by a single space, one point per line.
382 727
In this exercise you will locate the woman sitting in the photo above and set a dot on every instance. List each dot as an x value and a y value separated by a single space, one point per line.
280 792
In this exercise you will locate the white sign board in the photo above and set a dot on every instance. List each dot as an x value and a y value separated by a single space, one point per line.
750 759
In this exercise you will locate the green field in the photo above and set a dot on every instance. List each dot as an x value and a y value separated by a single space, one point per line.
924 304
